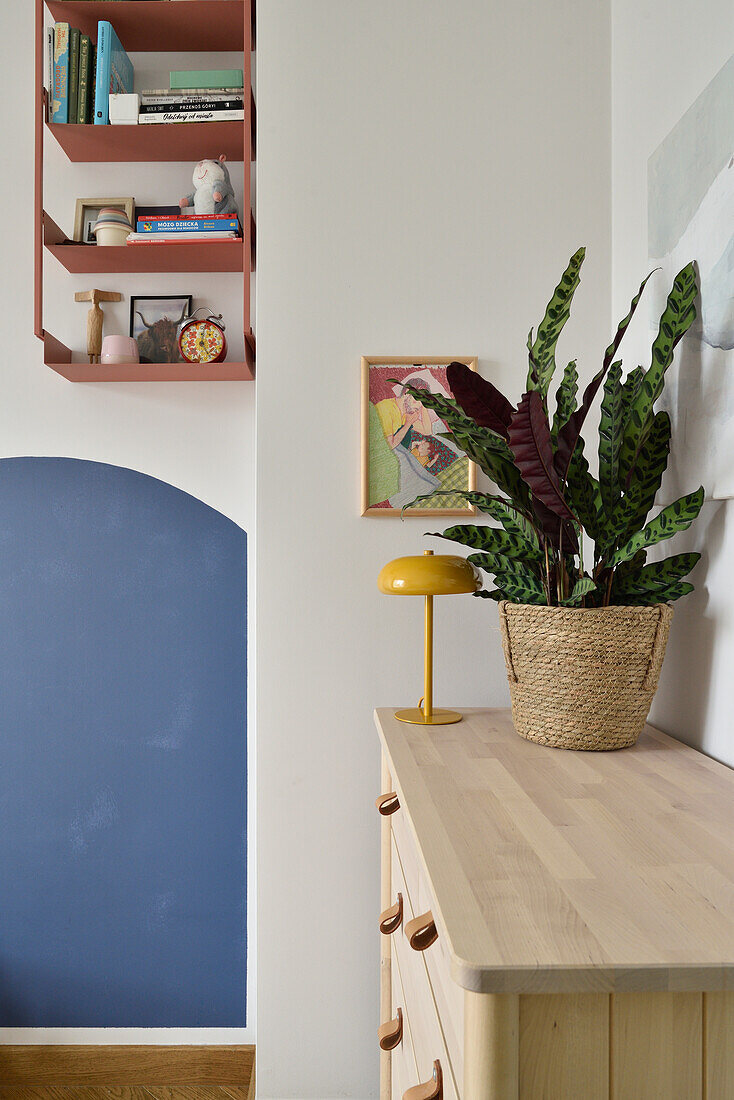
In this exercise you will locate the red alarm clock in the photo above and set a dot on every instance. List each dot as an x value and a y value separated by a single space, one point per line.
202 339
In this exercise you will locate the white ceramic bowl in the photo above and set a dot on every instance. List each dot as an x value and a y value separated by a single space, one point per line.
112 234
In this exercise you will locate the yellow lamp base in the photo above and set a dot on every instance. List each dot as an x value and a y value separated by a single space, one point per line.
416 717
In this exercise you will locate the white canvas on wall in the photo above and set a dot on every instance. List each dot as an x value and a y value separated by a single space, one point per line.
691 217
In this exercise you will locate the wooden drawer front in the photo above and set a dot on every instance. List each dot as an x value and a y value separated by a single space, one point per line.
448 995
419 1010
404 1072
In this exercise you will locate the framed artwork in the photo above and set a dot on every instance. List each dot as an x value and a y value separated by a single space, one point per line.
87 212
155 324
403 454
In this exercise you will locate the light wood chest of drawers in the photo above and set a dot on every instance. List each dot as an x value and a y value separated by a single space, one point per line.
584 911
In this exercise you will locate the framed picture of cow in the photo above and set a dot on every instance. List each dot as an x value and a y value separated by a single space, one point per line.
155 323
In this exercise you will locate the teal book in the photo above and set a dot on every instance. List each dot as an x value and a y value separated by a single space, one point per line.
114 71
85 67
60 93
208 78
73 73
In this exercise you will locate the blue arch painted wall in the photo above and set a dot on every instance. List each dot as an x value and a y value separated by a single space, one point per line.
122 752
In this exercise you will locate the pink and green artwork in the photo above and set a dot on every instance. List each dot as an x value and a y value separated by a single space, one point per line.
404 454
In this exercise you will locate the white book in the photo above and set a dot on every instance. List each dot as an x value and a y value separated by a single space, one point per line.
48 61
191 116
174 99
206 235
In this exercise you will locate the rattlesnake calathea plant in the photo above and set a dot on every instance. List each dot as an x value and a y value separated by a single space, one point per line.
549 503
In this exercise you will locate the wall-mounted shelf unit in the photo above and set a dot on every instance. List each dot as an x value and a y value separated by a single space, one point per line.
150 26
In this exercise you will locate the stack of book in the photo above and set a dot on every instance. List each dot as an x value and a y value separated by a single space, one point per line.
172 228
80 76
209 96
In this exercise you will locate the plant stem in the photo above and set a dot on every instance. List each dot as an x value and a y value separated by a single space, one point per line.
608 595
547 574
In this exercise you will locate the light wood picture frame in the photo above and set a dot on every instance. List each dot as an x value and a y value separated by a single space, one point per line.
400 463
87 210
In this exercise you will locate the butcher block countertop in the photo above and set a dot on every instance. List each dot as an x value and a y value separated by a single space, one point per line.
556 872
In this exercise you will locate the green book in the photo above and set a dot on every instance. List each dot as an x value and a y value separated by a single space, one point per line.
85 69
208 78
73 73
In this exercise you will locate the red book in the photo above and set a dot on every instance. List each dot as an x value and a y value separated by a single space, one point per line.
186 217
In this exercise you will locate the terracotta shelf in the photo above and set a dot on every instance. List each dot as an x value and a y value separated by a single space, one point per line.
186 141
80 259
58 358
159 26
152 26
188 256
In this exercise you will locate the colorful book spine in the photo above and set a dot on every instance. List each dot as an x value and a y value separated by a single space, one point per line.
191 106
114 71
151 239
188 225
85 71
156 95
74 37
48 75
192 116
208 78
60 95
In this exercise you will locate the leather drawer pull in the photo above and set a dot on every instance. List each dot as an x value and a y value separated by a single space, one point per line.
391 1033
431 1090
392 918
388 803
421 931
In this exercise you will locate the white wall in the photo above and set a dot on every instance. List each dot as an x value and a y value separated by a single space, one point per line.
199 437
664 54
424 172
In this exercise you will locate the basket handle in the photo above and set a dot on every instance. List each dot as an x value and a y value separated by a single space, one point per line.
655 655
505 631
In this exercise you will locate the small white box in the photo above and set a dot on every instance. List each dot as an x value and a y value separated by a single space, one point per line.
124 109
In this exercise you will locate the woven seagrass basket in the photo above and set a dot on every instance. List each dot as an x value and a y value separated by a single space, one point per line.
583 678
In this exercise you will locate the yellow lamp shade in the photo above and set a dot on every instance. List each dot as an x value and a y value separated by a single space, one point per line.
429 575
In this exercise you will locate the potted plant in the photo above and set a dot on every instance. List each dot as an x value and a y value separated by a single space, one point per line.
584 617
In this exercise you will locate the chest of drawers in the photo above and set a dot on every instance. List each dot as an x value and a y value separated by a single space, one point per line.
556 925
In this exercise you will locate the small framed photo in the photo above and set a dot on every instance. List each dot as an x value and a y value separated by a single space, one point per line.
403 454
87 212
154 323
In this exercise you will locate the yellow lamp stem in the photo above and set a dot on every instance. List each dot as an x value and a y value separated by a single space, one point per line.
428 662
427 716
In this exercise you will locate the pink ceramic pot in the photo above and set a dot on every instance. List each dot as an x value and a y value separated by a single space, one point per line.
119 349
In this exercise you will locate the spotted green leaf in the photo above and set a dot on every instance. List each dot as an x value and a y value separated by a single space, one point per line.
611 425
676 517
519 591
583 587
657 595
583 492
677 318
491 540
542 351
656 575
565 398
646 478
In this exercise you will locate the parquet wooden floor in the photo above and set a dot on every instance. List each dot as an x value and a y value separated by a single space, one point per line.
130 1092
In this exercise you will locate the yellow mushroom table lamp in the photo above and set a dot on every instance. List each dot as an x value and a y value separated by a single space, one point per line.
430 575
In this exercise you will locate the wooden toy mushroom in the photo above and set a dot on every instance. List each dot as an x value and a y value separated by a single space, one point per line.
95 318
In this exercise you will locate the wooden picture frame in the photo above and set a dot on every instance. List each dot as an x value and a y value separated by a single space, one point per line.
84 206
429 461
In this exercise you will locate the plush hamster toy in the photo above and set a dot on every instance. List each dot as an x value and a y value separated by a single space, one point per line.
213 192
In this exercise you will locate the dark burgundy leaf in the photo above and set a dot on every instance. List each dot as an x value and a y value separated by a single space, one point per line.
479 399
529 439
553 527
